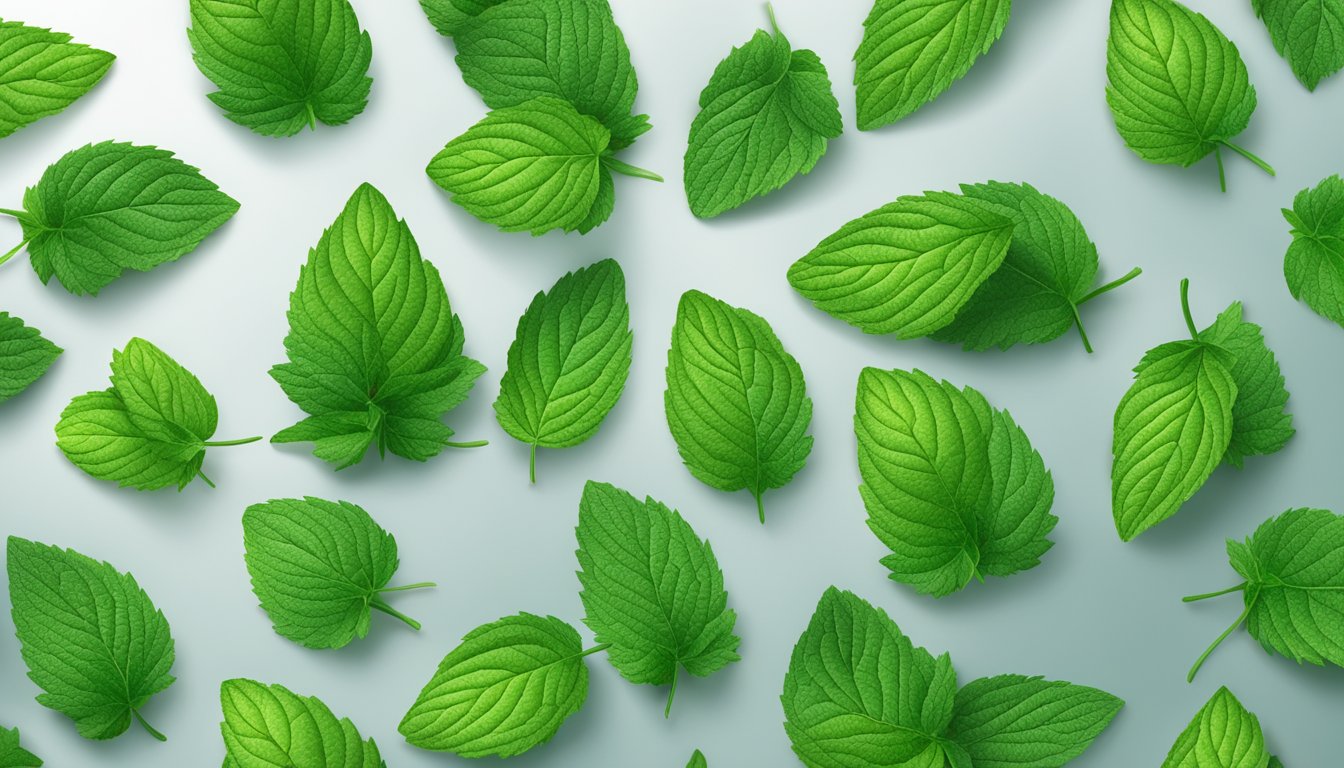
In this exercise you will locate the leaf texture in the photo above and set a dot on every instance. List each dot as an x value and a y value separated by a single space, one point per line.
24 356
1010 721
12 755
1222 735
267 726
697 760
1308 33
1260 425
449 16
42 72
1314 264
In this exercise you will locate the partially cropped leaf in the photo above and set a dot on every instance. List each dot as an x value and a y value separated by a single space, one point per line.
913 50
42 72
652 590
736 401
106 208
1010 721
375 351
908 267
1222 735
952 485
568 361
266 726
1314 264
449 16
505 689
24 356
1308 33
13 755
765 117
92 640
281 65
1260 425
697 760
318 567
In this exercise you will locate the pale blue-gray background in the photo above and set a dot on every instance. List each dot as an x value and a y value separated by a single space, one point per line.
1095 612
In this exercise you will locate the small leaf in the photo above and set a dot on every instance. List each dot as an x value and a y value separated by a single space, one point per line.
1260 425
697 760
44 72
1222 735
267 725
12 755
1314 264
1308 33
24 356
1011 721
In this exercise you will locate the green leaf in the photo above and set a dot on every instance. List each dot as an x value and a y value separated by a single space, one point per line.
282 64
952 485
569 50
1260 425
1222 735
765 117
267 725
1314 264
318 567
697 760
149 430
106 208
92 640
568 361
1046 275
652 590
14 756
736 401
505 689
908 267
1178 88
449 16
1011 721
1308 33
24 356
42 73
913 50
375 351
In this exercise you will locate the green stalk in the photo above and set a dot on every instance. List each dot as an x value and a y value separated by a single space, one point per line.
12 252
667 711
770 11
760 508
472 444
418 585
152 730
1082 332
1190 678
1222 174
225 443
532 464
1266 167
1196 598
390 611
595 649
620 166
1185 308
1108 287
207 480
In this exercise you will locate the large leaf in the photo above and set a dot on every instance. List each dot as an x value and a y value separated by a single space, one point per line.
42 72
1222 735
266 726
1308 33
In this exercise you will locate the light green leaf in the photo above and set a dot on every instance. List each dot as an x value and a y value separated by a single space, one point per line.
652 590
765 117
266 726
282 64
449 16
913 50
697 760
318 567
568 361
1308 33
14 756
1314 264
1010 721
375 351
1260 425
908 267
952 485
106 208
1222 735
24 356
42 72
92 640
1178 88
505 689
736 401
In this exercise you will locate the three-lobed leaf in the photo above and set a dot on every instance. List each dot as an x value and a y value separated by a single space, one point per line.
267 725
13 755
1308 33
1314 264
24 356
1223 734
42 72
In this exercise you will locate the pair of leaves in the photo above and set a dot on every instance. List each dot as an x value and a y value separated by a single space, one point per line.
24 356
568 361
375 351
92 640
654 598
106 208
858 692
765 117
42 72
1308 33
998 265
736 401
149 430
281 65
13 755
1194 404
267 725
1314 264
1177 88
952 485
318 567
1223 734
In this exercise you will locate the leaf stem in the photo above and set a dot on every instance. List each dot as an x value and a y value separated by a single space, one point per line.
1222 174
770 11
207 480
1185 308
532 464
403 588
667 711
1266 167
595 649
390 611
1190 678
1082 332
312 117
1196 598
760 507
1108 287
12 252
20 215
224 443
472 444
620 166
152 730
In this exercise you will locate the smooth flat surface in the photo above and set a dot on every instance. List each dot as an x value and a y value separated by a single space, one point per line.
1095 611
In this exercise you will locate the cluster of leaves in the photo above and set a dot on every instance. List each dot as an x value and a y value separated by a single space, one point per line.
1314 264
653 596
997 265
1308 33
24 356
267 725
43 72
1195 404
1222 735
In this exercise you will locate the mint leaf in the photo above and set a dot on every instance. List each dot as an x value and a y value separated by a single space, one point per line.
908 267
283 64
318 567
24 356
913 50
149 430
1314 264
14 756
1178 88
375 351
1222 735
1047 274
505 689
568 50
568 361
652 590
765 117
92 640
106 208
43 72
697 760
952 485
449 16
736 401
1293 588
1308 33
1260 425
1010 721
267 725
